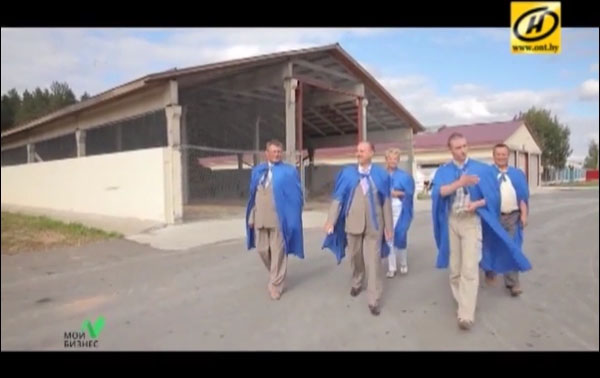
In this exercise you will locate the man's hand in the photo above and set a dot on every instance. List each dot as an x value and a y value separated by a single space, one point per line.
524 212
468 180
328 228
472 206
397 193
250 224
388 235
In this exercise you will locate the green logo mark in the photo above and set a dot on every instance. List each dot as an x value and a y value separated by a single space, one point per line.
93 329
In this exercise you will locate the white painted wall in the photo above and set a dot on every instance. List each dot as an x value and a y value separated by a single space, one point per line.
522 140
126 184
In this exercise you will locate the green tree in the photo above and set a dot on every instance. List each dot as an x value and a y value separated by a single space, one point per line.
552 134
35 104
11 102
591 160
41 103
27 108
61 95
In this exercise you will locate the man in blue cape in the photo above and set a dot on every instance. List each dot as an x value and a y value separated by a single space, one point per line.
467 229
274 215
359 216
402 192
514 209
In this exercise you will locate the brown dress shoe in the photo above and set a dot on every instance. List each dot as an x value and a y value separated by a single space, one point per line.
515 291
374 310
465 325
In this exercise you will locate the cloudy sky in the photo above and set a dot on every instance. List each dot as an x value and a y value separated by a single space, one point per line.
442 76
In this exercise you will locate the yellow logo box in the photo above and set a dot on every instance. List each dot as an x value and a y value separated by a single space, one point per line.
535 27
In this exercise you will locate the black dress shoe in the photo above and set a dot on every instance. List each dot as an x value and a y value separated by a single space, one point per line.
374 310
354 292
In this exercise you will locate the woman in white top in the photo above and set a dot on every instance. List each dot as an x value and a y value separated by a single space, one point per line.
402 192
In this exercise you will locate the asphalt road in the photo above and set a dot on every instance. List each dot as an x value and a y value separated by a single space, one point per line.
215 298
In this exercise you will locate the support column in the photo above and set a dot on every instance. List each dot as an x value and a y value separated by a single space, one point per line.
255 155
80 141
527 166
300 136
299 131
362 103
240 160
173 174
184 157
539 178
411 153
119 138
31 153
290 86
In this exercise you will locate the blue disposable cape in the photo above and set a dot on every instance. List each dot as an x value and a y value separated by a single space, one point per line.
500 253
345 184
519 182
287 194
404 182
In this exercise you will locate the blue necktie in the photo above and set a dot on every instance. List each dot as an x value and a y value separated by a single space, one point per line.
371 200
460 172
265 178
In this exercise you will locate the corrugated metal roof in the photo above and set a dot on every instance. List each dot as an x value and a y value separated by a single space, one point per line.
244 63
476 134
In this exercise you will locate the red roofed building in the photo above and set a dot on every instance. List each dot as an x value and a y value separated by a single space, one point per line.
431 150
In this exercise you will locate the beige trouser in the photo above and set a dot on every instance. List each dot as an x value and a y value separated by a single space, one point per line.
364 250
271 250
465 255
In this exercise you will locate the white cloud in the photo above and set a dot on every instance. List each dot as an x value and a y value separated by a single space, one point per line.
468 108
467 88
402 84
472 103
583 129
588 90
95 60
468 102
594 67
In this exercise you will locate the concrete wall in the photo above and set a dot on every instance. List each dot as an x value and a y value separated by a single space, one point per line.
395 135
126 184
